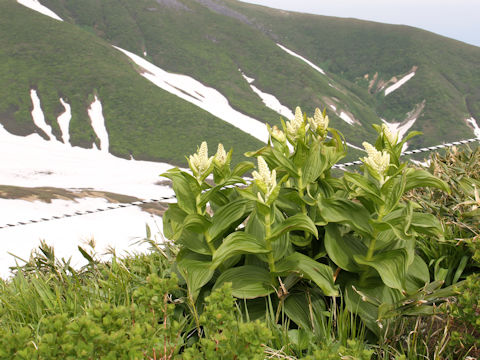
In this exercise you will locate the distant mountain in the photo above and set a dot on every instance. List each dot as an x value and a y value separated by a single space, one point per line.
184 71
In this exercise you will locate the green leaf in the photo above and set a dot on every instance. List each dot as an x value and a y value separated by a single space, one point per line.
237 243
229 215
365 185
335 210
173 221
242 167
320 274
207 195
391 265
248 281
425 223
196 270
305 308
186 189
343 249
296 222
421 178
194 242
314 165
417 274
196 223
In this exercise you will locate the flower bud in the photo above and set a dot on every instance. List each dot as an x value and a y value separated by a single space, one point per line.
378 161
221 156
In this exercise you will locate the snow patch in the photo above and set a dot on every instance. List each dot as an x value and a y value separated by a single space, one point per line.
400 128
38 162
345 117
144 53
38 116
270 100
35 5
333 107
399 83
64 122
117 229
476 128
302 58
200 95
97 120
249 79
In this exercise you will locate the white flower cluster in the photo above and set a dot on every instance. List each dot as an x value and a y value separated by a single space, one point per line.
377 160
391 137
266 180
200 162
319 123
294 126
221 156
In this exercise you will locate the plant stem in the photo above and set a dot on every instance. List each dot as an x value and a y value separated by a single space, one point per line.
208 239
268 233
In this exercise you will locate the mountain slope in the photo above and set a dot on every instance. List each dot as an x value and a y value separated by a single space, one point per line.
63 61
360 71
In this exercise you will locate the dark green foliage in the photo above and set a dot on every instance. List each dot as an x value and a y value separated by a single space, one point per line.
225 336
450 259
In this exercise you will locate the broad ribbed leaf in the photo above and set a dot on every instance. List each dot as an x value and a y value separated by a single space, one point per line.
425 223
391 265
343 249
226 216
320 274
346 212
207 195
237 243
421 178
194 242
248 281
365 185
196 273
417 275
305 307
314 166
196 223
296 222
186 187
173 221
242 167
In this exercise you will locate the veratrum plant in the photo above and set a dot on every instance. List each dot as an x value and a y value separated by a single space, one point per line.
297 230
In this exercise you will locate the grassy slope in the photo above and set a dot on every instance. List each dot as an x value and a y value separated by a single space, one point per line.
211 47
61 60
448 75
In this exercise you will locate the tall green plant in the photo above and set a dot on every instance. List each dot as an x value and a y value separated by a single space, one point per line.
296 227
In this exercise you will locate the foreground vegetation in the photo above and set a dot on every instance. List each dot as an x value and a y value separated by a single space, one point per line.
376 264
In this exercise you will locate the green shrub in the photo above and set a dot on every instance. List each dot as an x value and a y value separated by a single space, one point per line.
296 225
225 336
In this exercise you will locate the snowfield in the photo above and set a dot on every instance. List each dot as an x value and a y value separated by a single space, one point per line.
200 95
118 229
37 115
95 114
270 100
476 128
63 121
38 162
399 83
35 5
301 58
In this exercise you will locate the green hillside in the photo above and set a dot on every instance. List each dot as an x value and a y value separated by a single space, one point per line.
61 60
210 40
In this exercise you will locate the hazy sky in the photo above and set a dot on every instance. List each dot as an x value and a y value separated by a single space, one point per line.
458 19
